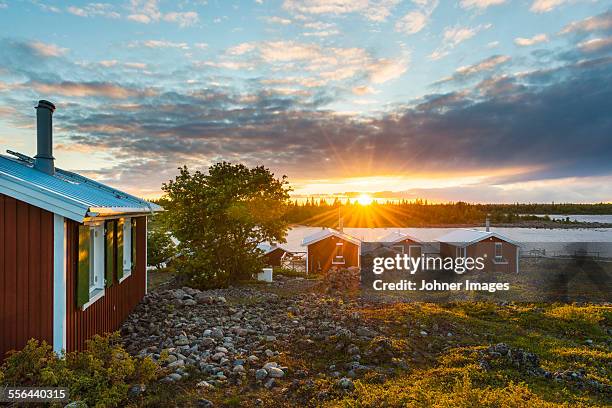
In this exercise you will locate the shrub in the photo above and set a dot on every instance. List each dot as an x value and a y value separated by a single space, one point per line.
100 376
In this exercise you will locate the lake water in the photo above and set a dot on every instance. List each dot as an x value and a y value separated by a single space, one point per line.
602 218
559 240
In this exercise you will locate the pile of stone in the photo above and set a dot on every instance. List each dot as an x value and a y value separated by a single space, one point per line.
235 335
342 280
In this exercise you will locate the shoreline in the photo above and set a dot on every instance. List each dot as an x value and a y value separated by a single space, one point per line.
524 224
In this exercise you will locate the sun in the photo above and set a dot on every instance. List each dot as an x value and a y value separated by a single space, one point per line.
365 199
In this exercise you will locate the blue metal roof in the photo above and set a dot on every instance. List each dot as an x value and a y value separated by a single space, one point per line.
66 193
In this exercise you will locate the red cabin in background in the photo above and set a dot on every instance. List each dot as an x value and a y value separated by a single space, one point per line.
330 248
273 254
73 251
500 253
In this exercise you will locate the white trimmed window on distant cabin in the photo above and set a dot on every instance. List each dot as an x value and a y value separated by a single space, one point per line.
399 248
460 252
339 255
498 252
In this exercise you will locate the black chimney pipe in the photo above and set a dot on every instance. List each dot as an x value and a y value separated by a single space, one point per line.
43 161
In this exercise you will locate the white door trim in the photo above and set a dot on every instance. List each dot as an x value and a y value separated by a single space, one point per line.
59 283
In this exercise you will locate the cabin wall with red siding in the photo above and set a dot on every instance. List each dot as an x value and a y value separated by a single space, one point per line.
108 312
487 247
406 244
26 274
322 252
273 258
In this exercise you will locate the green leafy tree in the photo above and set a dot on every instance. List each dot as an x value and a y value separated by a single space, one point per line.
220 218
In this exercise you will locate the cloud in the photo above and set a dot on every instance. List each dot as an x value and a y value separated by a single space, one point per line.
487 64
87 89
135 65
325 33
46 49
596 45
520 128
319 64
416 20
183 19
480 4
93 10
384 70
108 63
374 10
527 42
147 11
454 36
277 20
544 6
598 23
380 10
321 29
325 6
160 44
144 11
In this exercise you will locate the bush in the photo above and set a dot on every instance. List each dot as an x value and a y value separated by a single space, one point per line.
100 376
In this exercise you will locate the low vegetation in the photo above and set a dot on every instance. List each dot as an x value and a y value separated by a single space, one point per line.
100 376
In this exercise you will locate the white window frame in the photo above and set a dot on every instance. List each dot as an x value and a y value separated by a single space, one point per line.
500 258
127 249
460 252
339 259
398 248
96 264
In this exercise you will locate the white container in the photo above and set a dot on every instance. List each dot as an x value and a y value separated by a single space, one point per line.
265 275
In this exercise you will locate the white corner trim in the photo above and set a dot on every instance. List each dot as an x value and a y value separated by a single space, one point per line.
59 283
97 294
146 262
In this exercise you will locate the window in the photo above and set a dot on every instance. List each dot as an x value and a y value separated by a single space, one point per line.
90 269
339 255
460 253
498 252
399 248
126 247
104 249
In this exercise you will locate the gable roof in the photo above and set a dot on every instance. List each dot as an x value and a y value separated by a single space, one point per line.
328 232
267 248
464 237
66 193
397 236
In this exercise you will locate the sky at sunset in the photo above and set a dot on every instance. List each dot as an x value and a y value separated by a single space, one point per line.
473 100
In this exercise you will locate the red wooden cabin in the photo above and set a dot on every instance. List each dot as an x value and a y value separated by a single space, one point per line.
500 253
329 248
72 251
273 254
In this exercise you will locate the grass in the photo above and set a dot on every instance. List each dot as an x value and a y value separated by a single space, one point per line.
556 333
158 278
439 370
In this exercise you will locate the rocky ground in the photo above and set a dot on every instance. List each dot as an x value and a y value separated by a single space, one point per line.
237 335
293 343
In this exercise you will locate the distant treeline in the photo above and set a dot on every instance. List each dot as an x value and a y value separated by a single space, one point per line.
421 213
